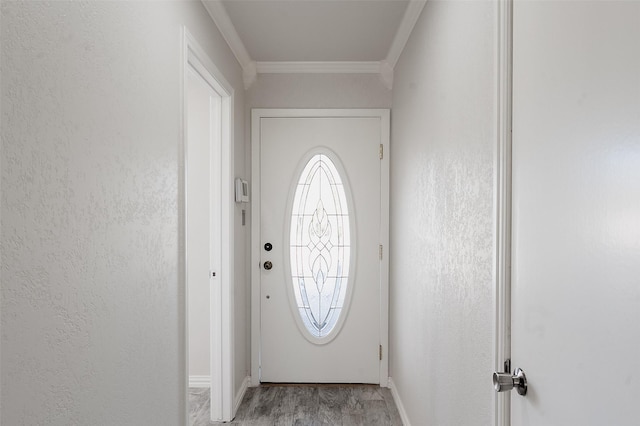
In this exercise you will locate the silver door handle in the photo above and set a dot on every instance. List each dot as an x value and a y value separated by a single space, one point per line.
503 382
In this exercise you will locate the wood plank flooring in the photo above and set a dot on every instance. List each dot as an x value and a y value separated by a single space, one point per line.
305 405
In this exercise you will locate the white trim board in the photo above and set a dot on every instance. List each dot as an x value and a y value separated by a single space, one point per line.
240 394
220 17
199 381
399 405
205 382
411 15
502 203
318 67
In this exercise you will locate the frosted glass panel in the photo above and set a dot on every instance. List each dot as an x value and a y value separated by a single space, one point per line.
320 245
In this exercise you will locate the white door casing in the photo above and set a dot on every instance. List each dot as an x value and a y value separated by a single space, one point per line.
283 141
576 212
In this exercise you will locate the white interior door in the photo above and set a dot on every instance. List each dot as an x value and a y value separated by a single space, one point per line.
321 227
576 212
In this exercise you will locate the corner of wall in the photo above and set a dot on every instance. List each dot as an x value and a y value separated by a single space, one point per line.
240 394
399 404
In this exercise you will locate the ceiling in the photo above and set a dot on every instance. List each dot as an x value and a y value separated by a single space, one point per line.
308 30
267 36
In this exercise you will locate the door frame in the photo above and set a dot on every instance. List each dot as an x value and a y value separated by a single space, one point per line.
256 115
502 203
221 320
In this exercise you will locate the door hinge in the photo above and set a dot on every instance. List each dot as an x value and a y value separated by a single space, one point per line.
381 151
380 251
380 352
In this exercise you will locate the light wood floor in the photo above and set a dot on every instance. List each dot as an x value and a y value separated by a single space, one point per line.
305 405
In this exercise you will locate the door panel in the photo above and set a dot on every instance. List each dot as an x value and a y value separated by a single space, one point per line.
576 212
286 354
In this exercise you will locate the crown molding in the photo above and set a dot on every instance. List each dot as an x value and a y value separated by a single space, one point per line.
220 17
372 67
251 69
411 15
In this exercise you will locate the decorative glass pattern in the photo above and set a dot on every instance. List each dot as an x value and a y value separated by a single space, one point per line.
320 246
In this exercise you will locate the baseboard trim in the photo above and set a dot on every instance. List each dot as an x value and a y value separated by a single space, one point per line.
240 394
199 381
399 404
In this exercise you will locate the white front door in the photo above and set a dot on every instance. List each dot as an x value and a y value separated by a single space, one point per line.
322 287
576 212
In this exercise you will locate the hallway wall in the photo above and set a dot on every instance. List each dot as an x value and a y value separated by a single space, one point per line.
92 309
318 91
443 137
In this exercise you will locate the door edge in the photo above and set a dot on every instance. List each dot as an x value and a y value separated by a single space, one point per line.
502 203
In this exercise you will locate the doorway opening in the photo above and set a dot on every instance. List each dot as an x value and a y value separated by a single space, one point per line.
207 226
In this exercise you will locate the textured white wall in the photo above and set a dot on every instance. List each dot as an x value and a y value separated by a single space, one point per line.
92 308
318 91
441 216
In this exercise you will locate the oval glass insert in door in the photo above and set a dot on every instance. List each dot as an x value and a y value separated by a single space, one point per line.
321 247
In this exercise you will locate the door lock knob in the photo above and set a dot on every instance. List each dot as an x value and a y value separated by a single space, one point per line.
268 265
503 382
